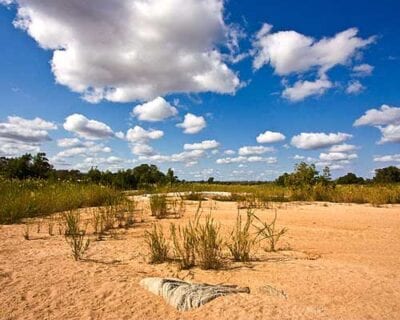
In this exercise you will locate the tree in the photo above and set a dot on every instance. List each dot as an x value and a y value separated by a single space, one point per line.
210 180
19 168
41 168
387 175
349 178
170 177
304 175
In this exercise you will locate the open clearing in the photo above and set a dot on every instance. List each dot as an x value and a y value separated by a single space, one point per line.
340 261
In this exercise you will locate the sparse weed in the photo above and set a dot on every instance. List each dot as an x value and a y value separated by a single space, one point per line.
158 206
184 241
268 232
75 237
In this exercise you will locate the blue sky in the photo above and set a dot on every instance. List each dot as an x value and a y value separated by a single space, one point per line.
192 84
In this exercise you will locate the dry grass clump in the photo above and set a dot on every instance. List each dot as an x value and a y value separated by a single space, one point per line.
241 241
158 206
157 244
184 242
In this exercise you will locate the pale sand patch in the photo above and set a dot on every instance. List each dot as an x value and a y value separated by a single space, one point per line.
344 264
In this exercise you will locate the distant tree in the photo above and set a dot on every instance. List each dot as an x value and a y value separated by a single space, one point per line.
387 175
210 180
19 168
303 175
41 167
94 175
349 178
282 180
148 175
170 177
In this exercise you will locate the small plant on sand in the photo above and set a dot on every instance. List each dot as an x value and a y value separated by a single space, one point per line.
75 237
184 241
241 240
269 232
208 243
158 206
50 227
157 244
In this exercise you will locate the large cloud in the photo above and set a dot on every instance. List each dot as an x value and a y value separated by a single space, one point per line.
290 52
155 110
132 49
86 128
250 150
311 140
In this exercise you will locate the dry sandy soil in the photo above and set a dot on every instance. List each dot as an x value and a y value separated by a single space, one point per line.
343 263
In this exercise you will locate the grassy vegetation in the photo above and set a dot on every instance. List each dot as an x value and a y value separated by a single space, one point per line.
33 198
255 195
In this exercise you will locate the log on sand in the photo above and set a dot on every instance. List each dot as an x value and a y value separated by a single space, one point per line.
186 296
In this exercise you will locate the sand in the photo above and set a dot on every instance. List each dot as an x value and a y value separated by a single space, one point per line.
341 261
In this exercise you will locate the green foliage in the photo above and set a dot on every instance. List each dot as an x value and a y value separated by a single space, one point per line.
157 244
350 178
387 175
241 241
184 241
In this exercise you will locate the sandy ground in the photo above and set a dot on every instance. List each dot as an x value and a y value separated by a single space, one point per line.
344 263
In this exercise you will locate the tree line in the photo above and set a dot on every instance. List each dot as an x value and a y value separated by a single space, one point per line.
38 166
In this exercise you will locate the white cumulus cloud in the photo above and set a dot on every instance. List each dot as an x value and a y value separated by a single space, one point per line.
86 128
312 140
204 145
130 50
192 124
154 110
270 137
250 150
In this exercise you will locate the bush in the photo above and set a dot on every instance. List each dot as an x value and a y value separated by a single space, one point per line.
184 241
75 237
268 232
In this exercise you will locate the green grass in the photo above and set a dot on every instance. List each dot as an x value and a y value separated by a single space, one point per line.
33 198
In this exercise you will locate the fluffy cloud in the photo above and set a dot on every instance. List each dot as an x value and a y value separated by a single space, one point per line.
189 157
140 135
390 133
132 49
19 135
388 158
342 148
25 130
88 129
337 156
290 52
242 159
318 140
192 124
75 147
204 145
229 152
386 119
383 116
155 110
250 150
303 89
354 87
270 137
362 70
139 139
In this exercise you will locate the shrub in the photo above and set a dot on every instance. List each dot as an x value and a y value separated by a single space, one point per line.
158 206
241 240
157 244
